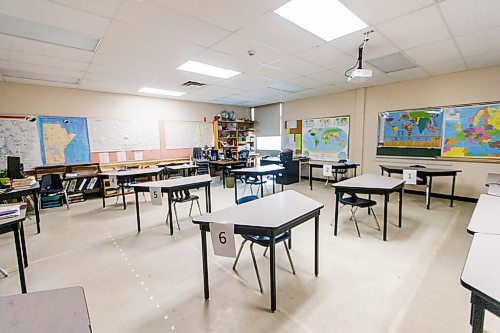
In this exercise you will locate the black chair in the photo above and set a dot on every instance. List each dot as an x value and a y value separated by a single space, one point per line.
253 181
50 185
243 155
341 172
355 202
197 153
202 163
420 181
264 241
181 197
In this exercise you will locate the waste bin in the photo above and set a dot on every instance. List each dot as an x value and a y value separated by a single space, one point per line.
230 181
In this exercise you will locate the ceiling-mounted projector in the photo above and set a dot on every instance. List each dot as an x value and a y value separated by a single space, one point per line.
360 75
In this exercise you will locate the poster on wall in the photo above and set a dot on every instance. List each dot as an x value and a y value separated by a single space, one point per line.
326 138
472 131
63 140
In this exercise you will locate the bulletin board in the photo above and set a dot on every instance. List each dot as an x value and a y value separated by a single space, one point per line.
292 136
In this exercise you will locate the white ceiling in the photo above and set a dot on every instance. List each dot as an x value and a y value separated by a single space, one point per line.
144 41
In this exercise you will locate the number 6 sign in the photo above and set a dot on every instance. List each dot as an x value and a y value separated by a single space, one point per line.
222 235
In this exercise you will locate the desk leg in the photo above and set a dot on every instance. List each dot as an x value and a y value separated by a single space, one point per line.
205 262
103 193
428 193
355 170
336 213
316 245
272 267
23 245
37 212
290 240
261 187
235 189
20 264
123 197
206 198
310 177
138 216
452 191
386 203
401 207
477 314
369 198
282 183
223 177
170 213
274 183
209 198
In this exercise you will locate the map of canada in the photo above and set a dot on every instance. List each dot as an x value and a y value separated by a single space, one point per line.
472 131
19 137
411 129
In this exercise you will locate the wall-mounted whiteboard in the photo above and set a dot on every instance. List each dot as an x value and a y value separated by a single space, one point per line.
188 134
19 137
122 135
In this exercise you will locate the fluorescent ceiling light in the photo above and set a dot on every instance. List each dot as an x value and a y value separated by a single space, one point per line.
200 68
15 74
327 19
155 91
17 27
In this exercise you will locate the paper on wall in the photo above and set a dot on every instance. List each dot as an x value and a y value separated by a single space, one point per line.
291 124
138 155
121 156
104 157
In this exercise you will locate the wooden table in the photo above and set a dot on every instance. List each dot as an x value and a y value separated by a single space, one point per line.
481 275
15 224
123 177
370 184
169 186
428 173
485 218
335 166
55 311
259 171
18 193
268 216
226 165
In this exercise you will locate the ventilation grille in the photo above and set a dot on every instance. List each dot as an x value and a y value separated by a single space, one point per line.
193 84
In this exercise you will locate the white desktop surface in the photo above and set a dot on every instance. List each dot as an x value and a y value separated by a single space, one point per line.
260 169
485 216
175 182
370 181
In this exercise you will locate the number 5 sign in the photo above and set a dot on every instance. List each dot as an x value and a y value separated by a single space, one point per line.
223 239
155 193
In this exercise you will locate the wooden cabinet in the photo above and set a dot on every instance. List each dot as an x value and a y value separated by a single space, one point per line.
234 136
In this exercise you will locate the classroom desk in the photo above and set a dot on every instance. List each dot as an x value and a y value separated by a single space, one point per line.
55 311
15 193
226 165
15 224
123 177
480 275
485 217
428 173
370 184
185 168
268 216
259 171
335 166
493 178
169 186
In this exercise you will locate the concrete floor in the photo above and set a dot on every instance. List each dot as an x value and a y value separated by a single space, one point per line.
152 282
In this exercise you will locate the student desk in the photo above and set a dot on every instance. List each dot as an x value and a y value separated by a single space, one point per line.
493 178
226 165
18 193
15 224
55 311
370 184
124 176
259 171
428 173
185 168
485 217
268 216
169 186
480 275
335 166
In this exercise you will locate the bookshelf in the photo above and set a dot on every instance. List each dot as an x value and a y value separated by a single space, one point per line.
235 135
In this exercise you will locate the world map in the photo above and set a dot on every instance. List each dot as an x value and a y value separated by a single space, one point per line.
472 131
63 140
326 138
411 129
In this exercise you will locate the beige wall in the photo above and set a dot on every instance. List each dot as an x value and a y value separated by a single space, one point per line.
363 105
43 100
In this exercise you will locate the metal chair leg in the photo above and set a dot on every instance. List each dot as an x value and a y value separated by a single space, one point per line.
256 268
239 253
144 196
265 251
176 218
191 209
375 216
289 257
198 203
353 212
3 272
67 201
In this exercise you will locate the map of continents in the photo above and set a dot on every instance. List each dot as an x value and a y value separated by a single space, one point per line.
63 140
472 131
326 138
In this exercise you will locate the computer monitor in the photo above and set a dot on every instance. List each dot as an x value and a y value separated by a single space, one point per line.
14 167
228 154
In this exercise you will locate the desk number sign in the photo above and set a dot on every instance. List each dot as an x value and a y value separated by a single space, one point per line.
410 176
113 181
155 193
327 170
223 239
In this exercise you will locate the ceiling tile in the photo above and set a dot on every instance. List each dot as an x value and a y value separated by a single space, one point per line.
330 77
466 16
297 66
273 73
418 28
408 74
376 47
445 67
145 15
432 53
480 42
483 60
328 57
271 4
105 8
223 60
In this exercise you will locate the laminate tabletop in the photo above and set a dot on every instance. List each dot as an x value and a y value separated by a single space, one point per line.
21 216
493 178
175 182
370 181
181 166
131 172
485 216
430 171
260 169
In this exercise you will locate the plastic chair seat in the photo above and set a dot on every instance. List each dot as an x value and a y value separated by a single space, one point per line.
191 197
266 240
357 202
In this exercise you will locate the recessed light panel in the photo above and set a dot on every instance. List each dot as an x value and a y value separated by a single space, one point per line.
327 19
200 68
154 91
17 27
15 74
